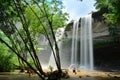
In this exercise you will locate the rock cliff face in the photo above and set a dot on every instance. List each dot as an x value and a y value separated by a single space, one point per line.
106 53
99 29
103 47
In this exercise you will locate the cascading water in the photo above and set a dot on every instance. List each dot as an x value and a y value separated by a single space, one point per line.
86 46
86 57
59 35
74 49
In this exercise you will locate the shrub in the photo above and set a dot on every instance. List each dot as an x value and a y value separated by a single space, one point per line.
6 59
51 68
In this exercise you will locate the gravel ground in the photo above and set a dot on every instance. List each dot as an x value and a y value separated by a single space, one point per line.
81 75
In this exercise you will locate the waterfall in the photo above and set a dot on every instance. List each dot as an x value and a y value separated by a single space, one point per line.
86 45
74 49
86 56
59 36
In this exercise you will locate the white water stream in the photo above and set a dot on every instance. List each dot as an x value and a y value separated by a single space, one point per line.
86 57
59 35
86 44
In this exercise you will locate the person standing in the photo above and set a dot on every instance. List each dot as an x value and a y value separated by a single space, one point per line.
74 70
